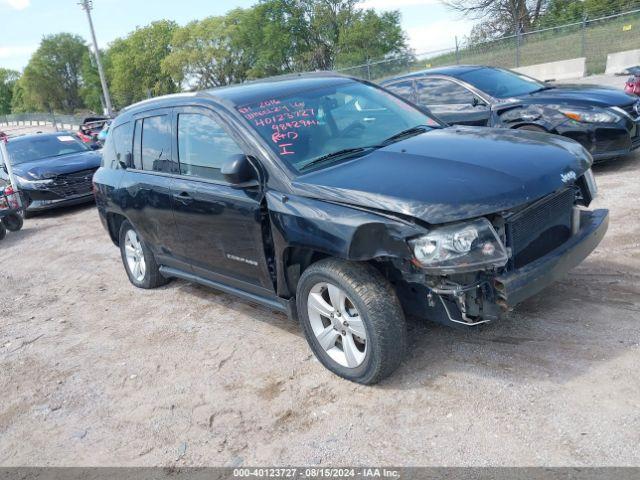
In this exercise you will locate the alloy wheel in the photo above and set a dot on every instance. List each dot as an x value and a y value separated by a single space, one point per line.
337 324
135 255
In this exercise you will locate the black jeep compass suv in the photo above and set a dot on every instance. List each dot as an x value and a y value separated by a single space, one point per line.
345 206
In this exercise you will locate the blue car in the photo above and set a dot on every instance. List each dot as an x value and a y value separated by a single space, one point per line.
52 169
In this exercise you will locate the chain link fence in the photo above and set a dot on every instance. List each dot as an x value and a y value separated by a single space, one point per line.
593 39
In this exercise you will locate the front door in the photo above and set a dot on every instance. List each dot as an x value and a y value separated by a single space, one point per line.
219 225
452 102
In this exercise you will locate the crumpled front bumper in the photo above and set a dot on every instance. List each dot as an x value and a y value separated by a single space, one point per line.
604 141
515 286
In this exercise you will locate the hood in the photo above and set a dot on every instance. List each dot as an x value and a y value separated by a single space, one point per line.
452 174
54 166
584 95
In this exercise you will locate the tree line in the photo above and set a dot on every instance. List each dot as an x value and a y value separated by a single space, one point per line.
501 18
273 37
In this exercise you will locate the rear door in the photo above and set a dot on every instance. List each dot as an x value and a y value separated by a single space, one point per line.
219 224
147 186
452 102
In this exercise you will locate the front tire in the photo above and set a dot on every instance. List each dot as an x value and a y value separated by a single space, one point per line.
139 261
13 222
3 231
352 320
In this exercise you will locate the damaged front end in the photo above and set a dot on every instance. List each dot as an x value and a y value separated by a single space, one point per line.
474 272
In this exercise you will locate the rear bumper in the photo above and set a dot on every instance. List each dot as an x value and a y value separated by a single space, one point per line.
514 287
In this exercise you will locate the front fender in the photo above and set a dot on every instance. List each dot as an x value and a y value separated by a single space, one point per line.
335 230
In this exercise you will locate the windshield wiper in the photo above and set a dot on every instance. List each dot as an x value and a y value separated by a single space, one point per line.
542 89
409 132
345 152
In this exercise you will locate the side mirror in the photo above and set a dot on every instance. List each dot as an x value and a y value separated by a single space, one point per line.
478 102
127 162
95 146
239 171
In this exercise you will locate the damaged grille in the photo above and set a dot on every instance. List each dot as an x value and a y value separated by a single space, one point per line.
68 185
540 227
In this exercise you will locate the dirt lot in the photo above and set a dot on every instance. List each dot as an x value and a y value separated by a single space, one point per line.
95 372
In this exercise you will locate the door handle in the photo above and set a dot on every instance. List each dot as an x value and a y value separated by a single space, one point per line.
183 198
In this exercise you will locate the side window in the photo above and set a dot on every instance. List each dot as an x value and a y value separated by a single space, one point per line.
203 146
109 159
404 89
437 91
122 142
156 144
137 145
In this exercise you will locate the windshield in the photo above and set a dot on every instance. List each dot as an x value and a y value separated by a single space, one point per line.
315 123
501 83
24 150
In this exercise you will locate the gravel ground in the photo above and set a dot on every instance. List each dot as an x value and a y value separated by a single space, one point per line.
96 372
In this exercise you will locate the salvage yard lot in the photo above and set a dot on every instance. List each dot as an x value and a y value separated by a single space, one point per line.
96 372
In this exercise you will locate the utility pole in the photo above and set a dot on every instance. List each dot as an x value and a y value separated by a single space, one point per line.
87 5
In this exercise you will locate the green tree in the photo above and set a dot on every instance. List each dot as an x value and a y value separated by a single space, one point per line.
210 52
371 37
275 31
21 101
8 80
133 63
331 33
280 36
91 91
52 79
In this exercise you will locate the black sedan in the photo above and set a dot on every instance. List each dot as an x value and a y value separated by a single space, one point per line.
604 120
52 170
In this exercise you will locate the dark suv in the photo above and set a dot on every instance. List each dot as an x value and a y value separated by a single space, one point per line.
343 205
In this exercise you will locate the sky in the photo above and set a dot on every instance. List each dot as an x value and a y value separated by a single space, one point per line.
429 25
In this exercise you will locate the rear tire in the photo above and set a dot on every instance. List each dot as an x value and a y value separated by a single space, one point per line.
3 231
352 320
13 222
138 259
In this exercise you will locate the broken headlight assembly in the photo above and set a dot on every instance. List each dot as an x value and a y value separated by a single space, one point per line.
458 248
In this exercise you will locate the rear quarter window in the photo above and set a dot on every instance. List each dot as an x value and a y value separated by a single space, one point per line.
118 145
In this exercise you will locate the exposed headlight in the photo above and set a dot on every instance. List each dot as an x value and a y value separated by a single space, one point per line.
33 183
596 115
527 113
461 247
